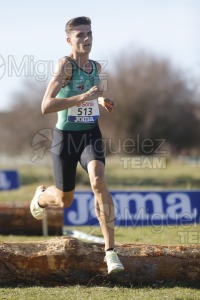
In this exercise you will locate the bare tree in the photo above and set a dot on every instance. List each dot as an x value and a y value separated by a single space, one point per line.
154 101
18 127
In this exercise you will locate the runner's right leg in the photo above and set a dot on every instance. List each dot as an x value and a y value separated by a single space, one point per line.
65 156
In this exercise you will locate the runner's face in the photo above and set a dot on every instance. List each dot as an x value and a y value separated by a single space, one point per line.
81 39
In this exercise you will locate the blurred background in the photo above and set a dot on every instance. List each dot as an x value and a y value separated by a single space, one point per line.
149 51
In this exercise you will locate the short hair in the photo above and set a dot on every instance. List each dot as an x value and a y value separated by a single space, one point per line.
71 24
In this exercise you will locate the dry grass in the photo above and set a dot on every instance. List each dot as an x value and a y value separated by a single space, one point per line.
176 175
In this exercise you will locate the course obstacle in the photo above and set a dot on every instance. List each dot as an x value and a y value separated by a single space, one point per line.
68 260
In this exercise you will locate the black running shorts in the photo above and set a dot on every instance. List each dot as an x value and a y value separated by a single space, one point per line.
70 147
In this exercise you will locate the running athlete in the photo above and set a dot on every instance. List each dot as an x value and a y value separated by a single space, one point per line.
74 93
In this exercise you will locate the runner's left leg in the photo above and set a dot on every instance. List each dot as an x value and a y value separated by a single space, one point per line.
105 213
103 201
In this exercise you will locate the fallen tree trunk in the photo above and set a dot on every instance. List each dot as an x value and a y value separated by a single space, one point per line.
70 261
16 219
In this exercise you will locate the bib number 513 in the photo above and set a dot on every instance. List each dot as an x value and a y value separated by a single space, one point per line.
86 111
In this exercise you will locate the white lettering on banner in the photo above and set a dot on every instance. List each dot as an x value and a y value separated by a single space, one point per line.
140 201
136 206
182 208
4 183
80 216
91 208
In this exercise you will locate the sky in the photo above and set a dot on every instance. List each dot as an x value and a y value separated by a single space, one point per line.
33 37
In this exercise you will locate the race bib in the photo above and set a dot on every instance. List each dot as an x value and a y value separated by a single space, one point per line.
86 112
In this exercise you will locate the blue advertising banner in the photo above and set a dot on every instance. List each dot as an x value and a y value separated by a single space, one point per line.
136 208
9 180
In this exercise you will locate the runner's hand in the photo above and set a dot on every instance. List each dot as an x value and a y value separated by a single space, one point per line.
107 103
93 93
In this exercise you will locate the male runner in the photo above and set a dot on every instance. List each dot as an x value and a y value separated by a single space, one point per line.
74 93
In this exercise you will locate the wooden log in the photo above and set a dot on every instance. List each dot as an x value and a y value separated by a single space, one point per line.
70 261
16 219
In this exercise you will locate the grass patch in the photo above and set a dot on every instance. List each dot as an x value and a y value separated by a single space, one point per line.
175 176
164 235
99 293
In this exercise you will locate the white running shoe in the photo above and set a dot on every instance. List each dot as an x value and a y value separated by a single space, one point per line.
37 211
113 263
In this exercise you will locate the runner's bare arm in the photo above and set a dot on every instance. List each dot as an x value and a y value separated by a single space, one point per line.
107 103
63 73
